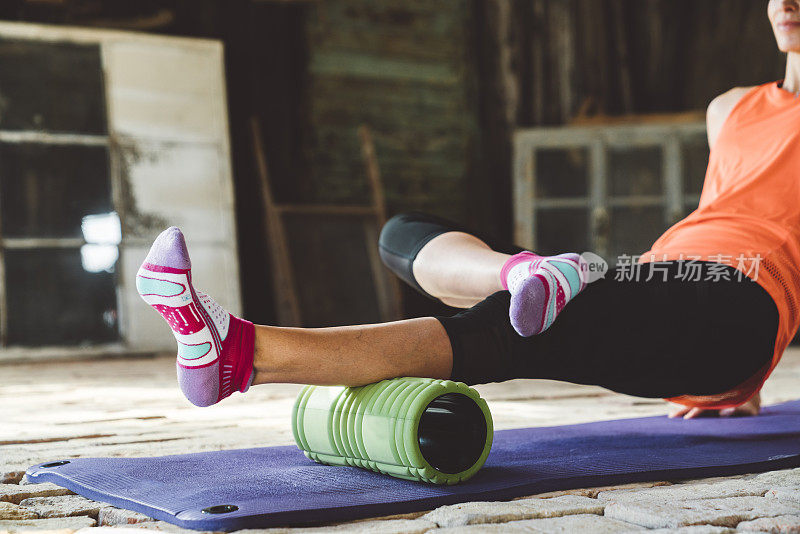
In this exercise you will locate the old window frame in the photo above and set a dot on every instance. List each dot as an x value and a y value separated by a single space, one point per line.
599 140
19 243
137 126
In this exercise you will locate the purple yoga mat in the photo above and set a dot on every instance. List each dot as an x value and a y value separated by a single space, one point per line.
279 486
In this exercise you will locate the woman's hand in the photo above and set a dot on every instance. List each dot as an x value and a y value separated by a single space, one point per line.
751 407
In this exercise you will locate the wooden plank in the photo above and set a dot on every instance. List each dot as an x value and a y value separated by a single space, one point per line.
686 117
373 172
636 201
563 33
73 34
623 61
42 242
387 285
165 92
404 70
323 209
599 222
52 138
560 203
523 193
411 29
288 305
360 65
619 134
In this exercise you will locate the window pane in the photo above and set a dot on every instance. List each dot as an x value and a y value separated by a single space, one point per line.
634 230
562 230
635 171
46 190
55 87
695 163
53 300
562 172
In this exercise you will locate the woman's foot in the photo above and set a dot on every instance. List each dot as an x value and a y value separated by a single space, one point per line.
540 287
215 349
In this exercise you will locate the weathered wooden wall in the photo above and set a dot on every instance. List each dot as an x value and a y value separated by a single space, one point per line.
559 58
404 69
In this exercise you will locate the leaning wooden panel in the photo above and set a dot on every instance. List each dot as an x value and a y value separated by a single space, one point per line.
164 121
164 91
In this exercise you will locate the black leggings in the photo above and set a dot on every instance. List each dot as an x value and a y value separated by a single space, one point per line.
652 338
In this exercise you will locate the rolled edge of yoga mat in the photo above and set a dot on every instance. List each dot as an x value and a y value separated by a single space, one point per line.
422 429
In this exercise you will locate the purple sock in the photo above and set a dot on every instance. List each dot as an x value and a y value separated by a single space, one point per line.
215 349
540 287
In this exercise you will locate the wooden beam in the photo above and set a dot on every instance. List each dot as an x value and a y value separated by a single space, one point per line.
288 305
387 286
325 209
641 118
621 47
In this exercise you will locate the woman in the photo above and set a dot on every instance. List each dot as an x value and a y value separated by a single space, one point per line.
707 342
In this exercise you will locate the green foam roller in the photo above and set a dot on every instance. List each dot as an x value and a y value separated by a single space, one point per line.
436 431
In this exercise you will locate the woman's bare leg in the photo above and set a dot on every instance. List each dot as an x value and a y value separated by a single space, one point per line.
218 352
352 355
456 267
459 269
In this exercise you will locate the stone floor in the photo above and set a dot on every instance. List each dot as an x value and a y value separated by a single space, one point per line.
132 407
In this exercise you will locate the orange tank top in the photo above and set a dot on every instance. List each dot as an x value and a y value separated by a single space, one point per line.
749 215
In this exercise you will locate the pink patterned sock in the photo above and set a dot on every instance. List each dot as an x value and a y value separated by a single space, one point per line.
540 287
215 349
518 267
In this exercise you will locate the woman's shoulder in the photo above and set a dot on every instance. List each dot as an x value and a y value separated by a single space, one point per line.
719 109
